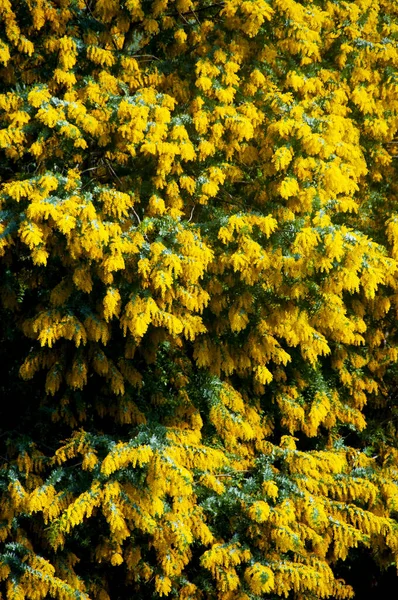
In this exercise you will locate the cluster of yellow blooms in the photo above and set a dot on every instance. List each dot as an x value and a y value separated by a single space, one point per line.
199 201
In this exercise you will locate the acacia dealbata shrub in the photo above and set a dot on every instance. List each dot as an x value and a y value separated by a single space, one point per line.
198 268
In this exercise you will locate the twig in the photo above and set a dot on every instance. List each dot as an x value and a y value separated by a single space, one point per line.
136 214
182 15
229 474
111 169
90 169
232 201
190 218
85 186
146 56
113 172
190 12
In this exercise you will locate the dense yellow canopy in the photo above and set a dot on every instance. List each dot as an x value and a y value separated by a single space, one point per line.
199 240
